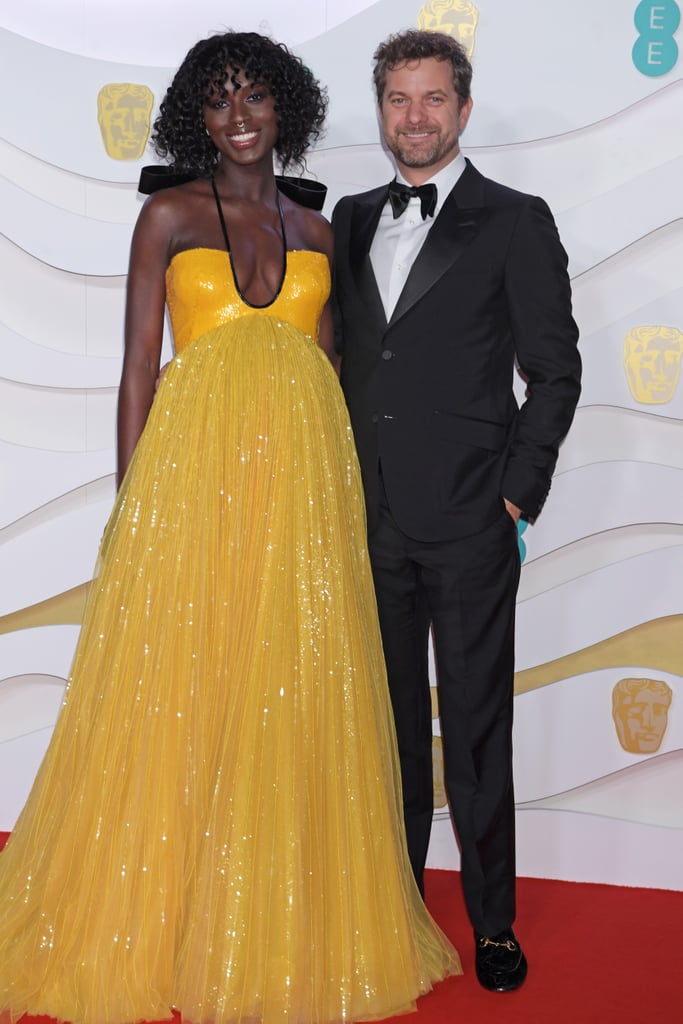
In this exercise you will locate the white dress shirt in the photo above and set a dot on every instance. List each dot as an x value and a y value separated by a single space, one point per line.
397 242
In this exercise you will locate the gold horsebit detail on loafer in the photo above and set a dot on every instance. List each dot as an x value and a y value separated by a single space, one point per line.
508 944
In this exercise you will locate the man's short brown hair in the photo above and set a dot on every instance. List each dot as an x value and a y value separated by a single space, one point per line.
420 44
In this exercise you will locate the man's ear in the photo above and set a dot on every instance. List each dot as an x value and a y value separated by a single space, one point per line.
465 111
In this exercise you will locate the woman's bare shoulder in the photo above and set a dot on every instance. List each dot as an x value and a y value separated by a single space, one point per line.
176 199
177 213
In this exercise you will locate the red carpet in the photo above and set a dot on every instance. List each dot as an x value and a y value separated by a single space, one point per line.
597 954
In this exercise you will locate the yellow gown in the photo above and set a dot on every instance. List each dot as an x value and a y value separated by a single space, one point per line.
216 826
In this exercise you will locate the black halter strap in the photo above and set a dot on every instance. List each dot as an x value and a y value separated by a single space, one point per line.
245 300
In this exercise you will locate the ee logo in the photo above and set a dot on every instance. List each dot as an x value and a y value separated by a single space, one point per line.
655 51
521 527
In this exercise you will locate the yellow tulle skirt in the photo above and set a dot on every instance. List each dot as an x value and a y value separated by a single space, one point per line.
216 826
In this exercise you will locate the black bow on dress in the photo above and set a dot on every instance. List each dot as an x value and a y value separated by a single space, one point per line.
300 190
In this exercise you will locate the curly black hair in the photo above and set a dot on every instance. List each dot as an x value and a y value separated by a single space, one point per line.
300 100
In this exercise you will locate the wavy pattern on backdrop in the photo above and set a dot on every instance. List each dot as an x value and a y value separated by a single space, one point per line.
598 760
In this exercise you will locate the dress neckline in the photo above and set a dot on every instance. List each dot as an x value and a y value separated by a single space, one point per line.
245 300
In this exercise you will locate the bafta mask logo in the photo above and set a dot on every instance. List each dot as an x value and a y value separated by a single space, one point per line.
440 799
457 18
652 361
640 709
123 114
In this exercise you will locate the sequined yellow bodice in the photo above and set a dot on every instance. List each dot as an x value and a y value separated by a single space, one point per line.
201 293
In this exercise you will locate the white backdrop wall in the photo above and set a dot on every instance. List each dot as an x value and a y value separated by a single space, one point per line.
581 103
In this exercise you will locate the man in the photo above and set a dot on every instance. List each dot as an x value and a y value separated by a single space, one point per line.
434 302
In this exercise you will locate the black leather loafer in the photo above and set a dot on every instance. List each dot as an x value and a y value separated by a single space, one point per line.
500 963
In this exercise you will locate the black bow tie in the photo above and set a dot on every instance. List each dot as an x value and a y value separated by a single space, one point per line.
400 195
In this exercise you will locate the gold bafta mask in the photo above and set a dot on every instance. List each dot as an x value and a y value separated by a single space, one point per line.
440 799
457 18
123 114
652 361
640 709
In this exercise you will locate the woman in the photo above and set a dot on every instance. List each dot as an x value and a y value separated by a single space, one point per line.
216 827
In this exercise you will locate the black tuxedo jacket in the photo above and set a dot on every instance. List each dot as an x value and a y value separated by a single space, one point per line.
430 392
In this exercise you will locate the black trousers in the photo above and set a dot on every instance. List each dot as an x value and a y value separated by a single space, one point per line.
465 590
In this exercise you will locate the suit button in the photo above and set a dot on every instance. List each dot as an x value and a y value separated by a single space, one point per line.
374 418
387 354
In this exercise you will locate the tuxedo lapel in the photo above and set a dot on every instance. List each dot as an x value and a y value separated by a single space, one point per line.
454 229
365 216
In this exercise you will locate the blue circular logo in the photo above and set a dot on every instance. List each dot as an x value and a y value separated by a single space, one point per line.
655 51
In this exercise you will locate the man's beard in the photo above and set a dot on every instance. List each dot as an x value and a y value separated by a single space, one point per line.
420 157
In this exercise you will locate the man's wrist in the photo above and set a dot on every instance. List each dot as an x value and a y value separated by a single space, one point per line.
514 510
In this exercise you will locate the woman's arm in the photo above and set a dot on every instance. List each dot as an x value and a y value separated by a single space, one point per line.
144 324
